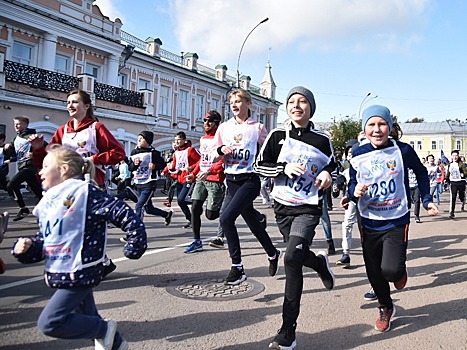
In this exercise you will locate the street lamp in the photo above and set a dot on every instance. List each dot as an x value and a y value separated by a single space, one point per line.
241 49
365 101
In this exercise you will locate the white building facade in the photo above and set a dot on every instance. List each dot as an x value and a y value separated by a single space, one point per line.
49 47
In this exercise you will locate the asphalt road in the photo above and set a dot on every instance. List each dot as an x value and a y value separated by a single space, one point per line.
146 297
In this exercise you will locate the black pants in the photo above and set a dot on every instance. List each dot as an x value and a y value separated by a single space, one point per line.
300 230
457 187
14 186
385 254
243 192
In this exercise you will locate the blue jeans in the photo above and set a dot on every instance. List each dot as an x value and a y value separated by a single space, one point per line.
182 191
71 313
145 201
326 220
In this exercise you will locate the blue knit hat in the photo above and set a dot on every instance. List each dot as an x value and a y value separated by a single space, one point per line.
376 111
305 92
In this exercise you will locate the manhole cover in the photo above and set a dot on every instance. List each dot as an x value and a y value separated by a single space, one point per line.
214 289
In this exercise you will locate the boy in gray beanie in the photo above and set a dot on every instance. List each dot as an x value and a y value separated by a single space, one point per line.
304 92
301 160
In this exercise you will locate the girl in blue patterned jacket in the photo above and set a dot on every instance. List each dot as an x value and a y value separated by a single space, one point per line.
73 217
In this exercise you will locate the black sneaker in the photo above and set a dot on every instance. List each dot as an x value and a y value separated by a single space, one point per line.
168 218
131 194
187 225
331 248
451 216
344 260
285 339
23 212
3 224
109 268
326 275
274 263
236 276
217 243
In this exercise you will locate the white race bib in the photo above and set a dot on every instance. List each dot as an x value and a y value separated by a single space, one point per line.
301 189
62 217
383 170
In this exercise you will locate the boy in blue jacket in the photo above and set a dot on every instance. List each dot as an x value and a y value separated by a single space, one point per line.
379 179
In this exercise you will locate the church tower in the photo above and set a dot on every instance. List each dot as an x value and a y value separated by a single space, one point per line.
268 86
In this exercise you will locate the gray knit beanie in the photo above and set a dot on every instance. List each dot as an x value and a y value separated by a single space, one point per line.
305 92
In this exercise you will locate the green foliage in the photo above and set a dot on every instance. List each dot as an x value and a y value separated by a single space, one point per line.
415 120
343 131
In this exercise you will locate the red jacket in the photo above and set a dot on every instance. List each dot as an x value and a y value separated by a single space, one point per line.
193 158
111 151
217 169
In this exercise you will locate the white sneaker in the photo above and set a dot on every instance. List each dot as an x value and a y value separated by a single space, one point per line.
107 342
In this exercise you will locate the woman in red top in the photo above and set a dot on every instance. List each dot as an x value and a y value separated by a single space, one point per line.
90 138
84 134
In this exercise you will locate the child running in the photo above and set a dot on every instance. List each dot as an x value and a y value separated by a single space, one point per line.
379 178
73 217
238 141
145 162
301 160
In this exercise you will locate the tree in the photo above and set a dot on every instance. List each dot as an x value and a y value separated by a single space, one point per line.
415 120
343 131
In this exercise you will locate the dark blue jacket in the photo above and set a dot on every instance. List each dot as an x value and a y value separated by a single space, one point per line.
101 208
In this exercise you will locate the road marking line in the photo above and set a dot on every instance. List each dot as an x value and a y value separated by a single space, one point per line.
123 258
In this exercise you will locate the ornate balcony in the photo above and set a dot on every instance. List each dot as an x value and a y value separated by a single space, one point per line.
118 95
39 78
44 79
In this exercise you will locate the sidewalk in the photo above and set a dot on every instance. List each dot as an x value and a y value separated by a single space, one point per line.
172 300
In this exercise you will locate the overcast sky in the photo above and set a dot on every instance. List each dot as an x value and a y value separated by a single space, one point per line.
409 53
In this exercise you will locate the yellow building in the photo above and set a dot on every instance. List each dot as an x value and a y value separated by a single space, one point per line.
431 138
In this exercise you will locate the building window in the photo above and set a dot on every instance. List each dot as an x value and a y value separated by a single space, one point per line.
441 144
459 144
412 144
433 144
62 64
22 53
93 70
144 84
262 119
215 104
183 104
164 101
199 107
123 81
419 145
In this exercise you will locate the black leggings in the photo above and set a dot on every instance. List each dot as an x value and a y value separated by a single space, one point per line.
385 254
196 212
297 255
